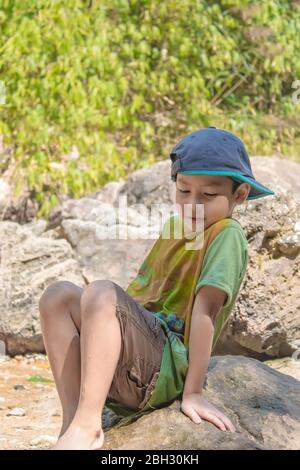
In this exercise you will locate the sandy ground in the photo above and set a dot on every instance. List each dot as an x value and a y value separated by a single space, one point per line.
40 424
38 405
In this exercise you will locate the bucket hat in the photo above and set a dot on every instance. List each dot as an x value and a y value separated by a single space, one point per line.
213 151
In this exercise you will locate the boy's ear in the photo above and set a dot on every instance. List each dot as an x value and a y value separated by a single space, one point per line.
242 193
248 189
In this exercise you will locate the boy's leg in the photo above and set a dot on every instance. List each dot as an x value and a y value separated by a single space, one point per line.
60 323
100 338
142 342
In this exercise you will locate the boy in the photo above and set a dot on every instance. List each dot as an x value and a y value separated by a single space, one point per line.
139 349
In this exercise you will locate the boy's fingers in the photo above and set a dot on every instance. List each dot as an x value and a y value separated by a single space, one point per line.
193 415
216 421
226 421
228 424
219 420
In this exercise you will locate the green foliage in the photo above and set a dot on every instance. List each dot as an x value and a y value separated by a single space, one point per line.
96 89
39 378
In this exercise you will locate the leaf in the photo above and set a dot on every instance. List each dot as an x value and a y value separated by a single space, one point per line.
39 378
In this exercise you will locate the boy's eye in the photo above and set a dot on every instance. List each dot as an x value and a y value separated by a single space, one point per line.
206 194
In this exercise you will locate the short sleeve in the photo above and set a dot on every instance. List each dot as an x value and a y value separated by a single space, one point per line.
225 262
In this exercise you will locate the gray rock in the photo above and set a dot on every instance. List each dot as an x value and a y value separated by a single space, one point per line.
74 246
102 258
266 319
262 403
29 263
19 387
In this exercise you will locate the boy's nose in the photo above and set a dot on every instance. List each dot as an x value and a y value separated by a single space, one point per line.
195 211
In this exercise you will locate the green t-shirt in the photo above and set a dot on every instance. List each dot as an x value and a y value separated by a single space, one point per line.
167 283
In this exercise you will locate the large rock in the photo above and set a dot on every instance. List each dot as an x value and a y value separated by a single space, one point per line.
263 404
114 259
266 320
29 263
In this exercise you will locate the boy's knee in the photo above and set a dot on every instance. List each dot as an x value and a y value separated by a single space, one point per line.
56 294
97 294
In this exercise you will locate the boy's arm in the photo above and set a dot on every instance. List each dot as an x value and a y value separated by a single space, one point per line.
207 304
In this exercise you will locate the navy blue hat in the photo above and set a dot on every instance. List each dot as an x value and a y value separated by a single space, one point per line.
212 151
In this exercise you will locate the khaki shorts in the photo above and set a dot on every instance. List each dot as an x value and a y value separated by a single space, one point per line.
142 344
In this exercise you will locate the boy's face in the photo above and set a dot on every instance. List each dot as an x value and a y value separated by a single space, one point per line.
213 191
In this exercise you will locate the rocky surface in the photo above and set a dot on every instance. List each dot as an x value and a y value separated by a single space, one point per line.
30 412
30 261
263 403
74 245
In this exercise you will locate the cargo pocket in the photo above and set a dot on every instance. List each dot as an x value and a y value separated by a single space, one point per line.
149 390
137 376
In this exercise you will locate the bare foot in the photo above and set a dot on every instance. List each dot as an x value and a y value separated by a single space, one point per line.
78 438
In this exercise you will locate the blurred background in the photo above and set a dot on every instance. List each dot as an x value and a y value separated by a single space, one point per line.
93 90
93 96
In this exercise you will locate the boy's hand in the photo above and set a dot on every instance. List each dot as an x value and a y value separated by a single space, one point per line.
196 407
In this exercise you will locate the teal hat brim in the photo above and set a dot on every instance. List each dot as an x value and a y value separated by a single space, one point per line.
257 189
